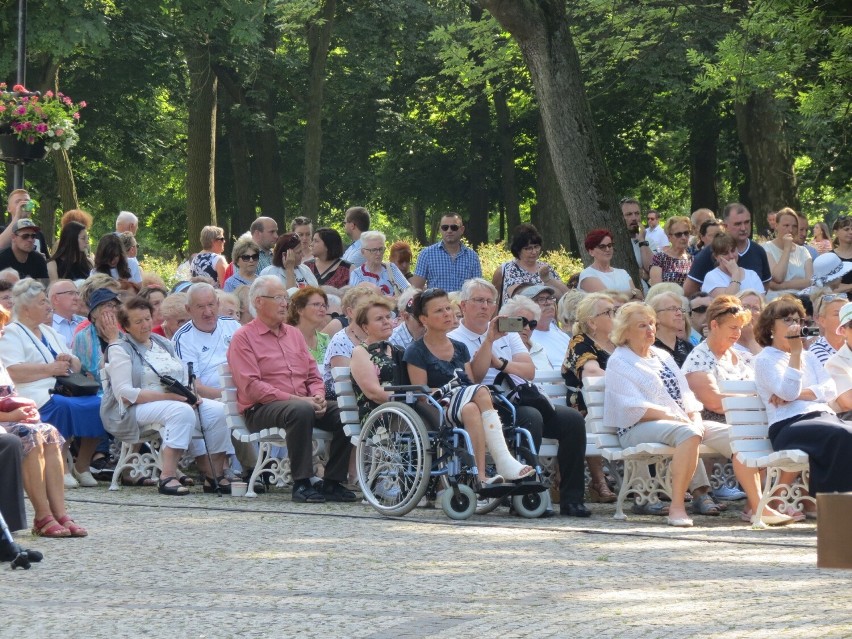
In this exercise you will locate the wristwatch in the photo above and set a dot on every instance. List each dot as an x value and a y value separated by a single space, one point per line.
505 363
644 243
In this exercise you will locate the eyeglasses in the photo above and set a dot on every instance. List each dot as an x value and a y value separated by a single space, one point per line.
531 323
699 309
27 236
321 305
220 239
532 247
671 309
545 300
680 234
753 309
605 247
610 312
278 298
376 251
74 293
249 257
791 319
450 227
483 301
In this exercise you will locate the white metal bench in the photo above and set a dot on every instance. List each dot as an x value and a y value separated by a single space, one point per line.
145 465
749 433
277 468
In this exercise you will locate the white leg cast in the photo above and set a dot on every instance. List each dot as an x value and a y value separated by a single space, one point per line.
507 466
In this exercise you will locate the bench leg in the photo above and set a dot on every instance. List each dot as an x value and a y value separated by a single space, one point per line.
791 495
140 464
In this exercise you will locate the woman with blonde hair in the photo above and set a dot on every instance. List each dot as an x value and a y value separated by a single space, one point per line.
672 263
209 260
566 310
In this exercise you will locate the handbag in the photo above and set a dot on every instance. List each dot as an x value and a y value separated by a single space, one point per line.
75 385
525 394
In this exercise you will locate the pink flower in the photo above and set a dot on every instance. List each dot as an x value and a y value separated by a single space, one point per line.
49 94
2 108
21 110
77 116
67 100
59 131
19 88
83 104
41 128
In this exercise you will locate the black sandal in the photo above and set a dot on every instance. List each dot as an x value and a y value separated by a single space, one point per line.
210 486
141 481
176 491
186 480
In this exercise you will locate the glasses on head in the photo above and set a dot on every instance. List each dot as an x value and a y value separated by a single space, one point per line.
279 299
321 305
545 300
610 312
671 309
733 310
483 301
699 309
605 247
27 236
249 257
302 221
680 234
450 227
833 297
531 323
375 251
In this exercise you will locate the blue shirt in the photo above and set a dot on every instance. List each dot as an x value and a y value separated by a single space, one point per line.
353 254
445 271
66 327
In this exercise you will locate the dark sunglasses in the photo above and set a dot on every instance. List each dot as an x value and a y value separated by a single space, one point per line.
531 323
246 257
450 227
681 234
27 236
699 309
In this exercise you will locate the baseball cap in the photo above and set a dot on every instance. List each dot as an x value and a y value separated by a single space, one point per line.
20 225
532 291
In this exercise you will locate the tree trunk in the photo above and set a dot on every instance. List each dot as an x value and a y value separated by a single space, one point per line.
511 201
479 129
550 209
319 37
244 212
762 132
541 29
704 130
267 168
201 144
417 216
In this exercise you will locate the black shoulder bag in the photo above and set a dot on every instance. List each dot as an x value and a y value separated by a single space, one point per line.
525 394
170 384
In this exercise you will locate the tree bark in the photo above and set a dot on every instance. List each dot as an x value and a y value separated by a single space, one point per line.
65 187
704 130
550 210
762 131
244 211
319 38
201 144
509 185
417 216
479 129
540 28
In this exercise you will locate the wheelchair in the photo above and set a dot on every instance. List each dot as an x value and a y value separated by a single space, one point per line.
400 461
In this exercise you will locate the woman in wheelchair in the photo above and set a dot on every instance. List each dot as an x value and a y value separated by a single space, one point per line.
441 363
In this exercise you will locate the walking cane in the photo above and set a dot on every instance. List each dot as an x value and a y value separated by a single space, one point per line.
19 557
191 384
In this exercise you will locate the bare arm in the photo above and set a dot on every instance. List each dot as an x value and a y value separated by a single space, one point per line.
363 373
656 275
417 282
706 390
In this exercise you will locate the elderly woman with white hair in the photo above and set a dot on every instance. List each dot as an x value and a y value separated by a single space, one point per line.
385 275
648 400
669 308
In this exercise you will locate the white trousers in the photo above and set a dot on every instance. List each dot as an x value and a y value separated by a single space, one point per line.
181 430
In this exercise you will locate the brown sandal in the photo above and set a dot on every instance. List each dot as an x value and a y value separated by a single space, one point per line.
48 527
599 493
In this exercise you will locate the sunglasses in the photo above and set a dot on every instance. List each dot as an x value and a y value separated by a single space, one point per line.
531 323
680 234
450 227
27 236
699 309
246 257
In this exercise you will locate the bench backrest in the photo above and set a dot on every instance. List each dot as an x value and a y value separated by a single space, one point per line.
746 415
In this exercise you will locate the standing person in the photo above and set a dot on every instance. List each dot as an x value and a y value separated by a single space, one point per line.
737 220
22 255
672 263
287 263
264 232
71 256
278 386
600 275
631 211
656 236
65 301
245 255
327 263
791 265
356 221
526 268
822 238
210 261
303 227
385 275
448 263
20 206
802 237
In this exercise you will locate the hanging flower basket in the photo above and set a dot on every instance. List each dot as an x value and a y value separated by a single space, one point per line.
15 151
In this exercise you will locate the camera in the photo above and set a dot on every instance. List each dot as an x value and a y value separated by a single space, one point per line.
806 331
293 243
510 324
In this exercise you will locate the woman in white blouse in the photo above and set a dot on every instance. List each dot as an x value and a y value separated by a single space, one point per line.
648 400
791 265
797 390
716 359
600 274
729 278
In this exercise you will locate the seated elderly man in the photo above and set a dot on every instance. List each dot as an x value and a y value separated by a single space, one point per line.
278 385
505 353
203 341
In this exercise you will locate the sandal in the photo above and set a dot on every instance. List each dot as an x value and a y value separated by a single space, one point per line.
599 493
704 505
186 480
73 528
142 481
48 527
177 491
209 486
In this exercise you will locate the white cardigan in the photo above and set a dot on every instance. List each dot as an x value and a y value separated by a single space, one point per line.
773 376
633 385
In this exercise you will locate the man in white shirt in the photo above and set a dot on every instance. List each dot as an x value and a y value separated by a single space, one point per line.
356 222
65 301
204 341
493 352
655 234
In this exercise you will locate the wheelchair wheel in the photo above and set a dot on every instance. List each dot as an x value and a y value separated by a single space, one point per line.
393 459
530 506
461 506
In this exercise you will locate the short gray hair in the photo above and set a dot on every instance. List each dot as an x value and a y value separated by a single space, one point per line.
521 303
53 286
126 217
259 287
372 235
196 288
25 292
405 297
475 282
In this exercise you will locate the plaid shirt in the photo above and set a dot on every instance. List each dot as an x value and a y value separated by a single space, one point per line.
445 271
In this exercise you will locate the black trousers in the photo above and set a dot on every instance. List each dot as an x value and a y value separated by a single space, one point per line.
11 484
569 429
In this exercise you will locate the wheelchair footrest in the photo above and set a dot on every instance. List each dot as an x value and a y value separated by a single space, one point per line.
527 488
496 491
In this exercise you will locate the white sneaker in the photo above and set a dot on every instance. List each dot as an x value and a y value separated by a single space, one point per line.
726 493
85 479
70 482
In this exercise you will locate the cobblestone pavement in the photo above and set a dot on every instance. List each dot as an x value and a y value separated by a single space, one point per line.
203 566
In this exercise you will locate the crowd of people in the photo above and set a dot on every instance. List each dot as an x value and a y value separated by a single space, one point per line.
710 304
